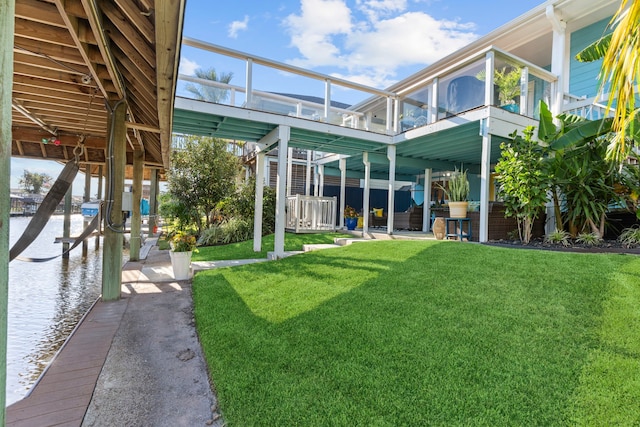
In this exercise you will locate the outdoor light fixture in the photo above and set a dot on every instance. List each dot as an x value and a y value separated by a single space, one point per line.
54 139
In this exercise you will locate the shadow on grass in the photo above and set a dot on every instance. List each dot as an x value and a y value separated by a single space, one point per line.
407 333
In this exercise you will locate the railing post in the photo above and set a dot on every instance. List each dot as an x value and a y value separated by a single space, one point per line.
488 82
327 99
249 84
524 92
433 105
389 114
396 115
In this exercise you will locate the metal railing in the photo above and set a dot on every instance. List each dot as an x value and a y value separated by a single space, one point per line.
307 214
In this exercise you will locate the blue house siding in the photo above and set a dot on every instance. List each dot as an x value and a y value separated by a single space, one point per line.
583 78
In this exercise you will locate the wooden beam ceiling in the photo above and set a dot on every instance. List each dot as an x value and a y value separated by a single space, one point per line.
73 56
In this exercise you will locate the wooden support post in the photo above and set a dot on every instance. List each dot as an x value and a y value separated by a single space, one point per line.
7 19
86 198
136 218
113 238
100 184
66 225
153 201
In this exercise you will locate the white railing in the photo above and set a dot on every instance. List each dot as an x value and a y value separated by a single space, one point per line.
451 91
584 107
307 214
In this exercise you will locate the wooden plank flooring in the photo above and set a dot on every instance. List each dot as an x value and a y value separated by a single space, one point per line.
62 395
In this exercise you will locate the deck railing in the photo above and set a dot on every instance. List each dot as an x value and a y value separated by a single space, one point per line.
584 107
308 214
488 77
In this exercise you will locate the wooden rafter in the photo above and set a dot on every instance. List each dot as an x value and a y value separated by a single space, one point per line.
72 56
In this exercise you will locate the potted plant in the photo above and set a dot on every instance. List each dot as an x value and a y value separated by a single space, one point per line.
457 194
508 83
350 217
182 246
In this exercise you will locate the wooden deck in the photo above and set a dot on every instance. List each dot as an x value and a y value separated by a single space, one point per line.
63 393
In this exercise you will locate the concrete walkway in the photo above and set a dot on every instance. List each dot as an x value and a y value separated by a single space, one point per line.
132 362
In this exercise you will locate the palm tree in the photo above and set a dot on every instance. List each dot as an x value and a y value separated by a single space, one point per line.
204 92
620 51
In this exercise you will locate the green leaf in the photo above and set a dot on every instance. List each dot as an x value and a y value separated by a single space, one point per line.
547 130
582 132
595 50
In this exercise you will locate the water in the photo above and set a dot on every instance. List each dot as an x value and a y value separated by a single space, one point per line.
46 300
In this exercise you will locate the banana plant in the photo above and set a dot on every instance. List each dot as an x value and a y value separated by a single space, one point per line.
577 169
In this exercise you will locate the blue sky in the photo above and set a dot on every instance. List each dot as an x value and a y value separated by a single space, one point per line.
373 42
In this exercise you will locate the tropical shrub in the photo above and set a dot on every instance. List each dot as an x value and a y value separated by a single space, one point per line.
589 239
522 180
211 236
630 237
557 237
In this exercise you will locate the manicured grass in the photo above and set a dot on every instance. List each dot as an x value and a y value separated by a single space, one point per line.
424 333
244 250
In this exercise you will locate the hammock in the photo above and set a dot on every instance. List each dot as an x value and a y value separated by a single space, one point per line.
46 209
93 225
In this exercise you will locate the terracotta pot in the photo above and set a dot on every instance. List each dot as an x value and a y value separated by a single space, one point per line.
439 228
458 209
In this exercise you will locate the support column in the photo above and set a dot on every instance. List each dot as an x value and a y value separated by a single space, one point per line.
153 201
307 183
258 202
558 61
66 224
365 193
100 184
426 206
112 253
485 170
321 184
283 137
7 19
391 155
289 170
136 218
343 192
86 198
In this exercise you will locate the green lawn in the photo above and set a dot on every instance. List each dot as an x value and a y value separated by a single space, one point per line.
414 333
244 250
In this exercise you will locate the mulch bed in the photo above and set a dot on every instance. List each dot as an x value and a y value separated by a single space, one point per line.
608 246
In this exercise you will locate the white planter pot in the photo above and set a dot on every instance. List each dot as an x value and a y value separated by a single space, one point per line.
181 263
458 209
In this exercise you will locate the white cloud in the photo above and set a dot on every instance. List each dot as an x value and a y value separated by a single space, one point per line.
237 26
370 50
374 9
187 66
312 31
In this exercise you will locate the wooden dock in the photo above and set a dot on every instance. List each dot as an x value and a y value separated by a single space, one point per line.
64 391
